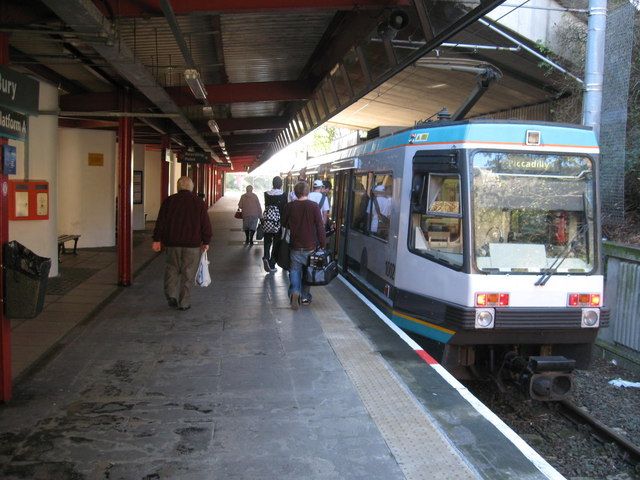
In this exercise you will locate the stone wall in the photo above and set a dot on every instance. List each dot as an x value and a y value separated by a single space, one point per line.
615 96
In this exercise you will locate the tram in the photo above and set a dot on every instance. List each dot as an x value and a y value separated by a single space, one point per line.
482 238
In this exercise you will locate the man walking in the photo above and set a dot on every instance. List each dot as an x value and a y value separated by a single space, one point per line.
184 230
303 219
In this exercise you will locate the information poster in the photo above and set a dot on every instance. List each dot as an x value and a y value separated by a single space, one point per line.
137 187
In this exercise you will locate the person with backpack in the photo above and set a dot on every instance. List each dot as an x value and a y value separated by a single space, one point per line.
274 203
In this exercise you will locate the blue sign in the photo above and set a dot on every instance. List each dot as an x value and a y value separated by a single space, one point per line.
9 159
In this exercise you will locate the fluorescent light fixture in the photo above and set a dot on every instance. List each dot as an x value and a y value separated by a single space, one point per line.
207 111
192 77
213 126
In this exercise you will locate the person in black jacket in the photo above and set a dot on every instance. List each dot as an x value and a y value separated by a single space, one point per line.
184 230
274 203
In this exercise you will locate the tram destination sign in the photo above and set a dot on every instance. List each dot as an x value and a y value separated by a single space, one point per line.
12 124
18 92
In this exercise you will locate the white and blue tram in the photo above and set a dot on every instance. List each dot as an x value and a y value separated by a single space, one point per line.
482 237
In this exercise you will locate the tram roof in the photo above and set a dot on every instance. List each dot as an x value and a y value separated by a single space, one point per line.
271 70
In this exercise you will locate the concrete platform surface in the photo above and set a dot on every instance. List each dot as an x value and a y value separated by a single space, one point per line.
241 387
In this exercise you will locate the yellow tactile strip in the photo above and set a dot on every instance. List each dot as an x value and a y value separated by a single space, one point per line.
418 446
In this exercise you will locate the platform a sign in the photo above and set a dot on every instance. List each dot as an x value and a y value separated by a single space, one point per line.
12 124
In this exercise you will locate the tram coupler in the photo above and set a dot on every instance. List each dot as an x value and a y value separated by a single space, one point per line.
546 378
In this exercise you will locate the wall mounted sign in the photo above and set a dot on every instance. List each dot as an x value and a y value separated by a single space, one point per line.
137 187
12 124
9 160
18 92
96 159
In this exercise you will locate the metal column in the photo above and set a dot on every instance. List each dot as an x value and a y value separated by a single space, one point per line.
5 323
594 65
201 178
125 205
164 169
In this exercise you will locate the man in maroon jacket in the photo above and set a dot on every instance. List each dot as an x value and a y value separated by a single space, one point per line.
303 219
184 229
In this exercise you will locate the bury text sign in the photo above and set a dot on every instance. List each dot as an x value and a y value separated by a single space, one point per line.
18 92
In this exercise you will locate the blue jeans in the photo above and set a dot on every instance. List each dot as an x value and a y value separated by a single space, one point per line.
299 260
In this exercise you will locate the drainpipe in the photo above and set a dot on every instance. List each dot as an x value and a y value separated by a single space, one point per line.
594 65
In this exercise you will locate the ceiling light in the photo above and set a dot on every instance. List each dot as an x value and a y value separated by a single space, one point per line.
221 143
192 77
213 126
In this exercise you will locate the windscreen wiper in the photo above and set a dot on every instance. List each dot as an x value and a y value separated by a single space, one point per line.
553 269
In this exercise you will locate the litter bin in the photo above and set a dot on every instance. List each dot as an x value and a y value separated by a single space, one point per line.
25 277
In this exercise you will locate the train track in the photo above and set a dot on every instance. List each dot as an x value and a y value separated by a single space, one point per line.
576 414
567 436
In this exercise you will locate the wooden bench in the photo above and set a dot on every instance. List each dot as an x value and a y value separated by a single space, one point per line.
65 238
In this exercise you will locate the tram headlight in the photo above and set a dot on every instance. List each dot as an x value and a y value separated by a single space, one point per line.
484 317
590 317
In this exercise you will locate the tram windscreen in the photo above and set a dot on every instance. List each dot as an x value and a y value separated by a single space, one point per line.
532 212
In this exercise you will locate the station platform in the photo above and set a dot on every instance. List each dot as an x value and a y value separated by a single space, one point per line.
242 387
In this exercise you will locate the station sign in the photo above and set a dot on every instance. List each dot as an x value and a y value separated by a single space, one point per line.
18 92
194 157
12 124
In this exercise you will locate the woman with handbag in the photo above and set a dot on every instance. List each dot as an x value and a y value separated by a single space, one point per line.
251 209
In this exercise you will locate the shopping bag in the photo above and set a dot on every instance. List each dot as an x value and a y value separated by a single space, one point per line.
238 214
260 232
203 278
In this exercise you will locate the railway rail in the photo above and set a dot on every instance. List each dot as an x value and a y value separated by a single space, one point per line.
577 414
568 436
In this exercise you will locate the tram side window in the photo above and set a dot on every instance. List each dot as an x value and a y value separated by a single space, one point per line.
379 207
360 203
436 218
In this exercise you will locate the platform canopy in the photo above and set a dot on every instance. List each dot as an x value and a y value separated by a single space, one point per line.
242 79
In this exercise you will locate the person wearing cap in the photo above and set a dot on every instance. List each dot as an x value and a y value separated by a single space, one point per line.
320 197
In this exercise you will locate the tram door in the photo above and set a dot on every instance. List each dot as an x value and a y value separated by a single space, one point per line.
342 180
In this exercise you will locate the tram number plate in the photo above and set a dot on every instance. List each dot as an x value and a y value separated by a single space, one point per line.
390 269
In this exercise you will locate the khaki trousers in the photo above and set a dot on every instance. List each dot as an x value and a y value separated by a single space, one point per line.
180 273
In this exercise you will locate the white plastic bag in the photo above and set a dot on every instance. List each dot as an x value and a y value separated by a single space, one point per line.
203 279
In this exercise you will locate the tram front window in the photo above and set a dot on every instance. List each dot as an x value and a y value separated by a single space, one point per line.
533 212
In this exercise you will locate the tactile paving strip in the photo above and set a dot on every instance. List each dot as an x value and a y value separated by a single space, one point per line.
419 448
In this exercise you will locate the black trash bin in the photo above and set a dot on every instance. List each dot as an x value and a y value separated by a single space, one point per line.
25 277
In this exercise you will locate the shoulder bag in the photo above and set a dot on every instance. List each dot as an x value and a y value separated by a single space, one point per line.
320 269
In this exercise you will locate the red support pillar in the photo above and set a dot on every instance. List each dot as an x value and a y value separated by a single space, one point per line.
125 205
212 171
164 169
5 323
